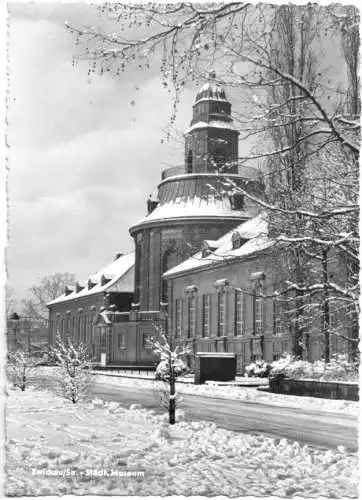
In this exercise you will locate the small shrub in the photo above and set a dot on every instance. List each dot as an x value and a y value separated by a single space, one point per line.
163 369
21 369
73 374
258 368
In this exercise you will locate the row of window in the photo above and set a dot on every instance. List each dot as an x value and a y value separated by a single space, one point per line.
223 306
77 326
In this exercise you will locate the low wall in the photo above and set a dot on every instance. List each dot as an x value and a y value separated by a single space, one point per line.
315 388
214 366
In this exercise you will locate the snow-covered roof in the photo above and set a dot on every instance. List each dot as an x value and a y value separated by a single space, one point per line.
119 276
254 230
211 91
200 207
211 124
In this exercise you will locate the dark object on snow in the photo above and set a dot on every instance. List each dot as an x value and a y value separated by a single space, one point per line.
214 366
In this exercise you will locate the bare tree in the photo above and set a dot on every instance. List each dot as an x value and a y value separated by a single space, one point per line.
49 288
169 368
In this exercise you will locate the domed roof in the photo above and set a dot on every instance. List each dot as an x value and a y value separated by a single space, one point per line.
211 90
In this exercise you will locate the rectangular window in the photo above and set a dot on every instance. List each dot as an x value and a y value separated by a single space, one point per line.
85 323
192 316
239 312
259 315
122 341
206 315
79 329
146 341
178 317
221 330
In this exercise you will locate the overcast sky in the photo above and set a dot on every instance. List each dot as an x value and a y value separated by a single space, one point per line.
82 159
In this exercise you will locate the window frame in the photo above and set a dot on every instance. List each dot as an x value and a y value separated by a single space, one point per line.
191 316
221 314
206 313
258 311
178 318
239 318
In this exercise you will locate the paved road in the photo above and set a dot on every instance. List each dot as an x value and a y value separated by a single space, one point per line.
315 428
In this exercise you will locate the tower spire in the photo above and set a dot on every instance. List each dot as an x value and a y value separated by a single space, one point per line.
212 76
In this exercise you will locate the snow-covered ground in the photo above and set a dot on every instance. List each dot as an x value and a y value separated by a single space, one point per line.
48 436
245 394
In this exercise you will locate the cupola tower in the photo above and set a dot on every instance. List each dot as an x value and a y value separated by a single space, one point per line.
211 142
194 202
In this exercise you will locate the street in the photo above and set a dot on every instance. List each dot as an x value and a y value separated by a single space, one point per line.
314 428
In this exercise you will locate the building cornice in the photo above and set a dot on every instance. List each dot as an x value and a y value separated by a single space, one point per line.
190 219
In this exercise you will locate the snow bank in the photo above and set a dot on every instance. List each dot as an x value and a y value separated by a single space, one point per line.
57 448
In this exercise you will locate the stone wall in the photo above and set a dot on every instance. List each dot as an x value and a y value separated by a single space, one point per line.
316 388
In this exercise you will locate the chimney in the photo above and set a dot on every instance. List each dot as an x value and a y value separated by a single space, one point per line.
118 255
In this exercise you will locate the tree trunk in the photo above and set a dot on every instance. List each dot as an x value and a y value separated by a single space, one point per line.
172 405
298 337
326 315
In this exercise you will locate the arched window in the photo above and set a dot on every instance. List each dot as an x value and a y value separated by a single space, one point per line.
189 163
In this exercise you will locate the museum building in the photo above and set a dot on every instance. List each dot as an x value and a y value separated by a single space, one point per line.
202 266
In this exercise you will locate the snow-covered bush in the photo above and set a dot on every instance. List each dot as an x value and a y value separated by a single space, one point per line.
21 369
73 372
339 368
163 369
259 368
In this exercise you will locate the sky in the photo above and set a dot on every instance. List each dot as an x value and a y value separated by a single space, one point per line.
84 153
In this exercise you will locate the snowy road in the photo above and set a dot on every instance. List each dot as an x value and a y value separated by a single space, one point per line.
309 427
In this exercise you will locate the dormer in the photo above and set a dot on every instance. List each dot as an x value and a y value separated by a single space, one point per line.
91 284
78 287
105 279
236 240
68 290
208 247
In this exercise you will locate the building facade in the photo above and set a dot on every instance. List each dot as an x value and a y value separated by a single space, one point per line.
226 302
76 312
